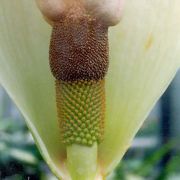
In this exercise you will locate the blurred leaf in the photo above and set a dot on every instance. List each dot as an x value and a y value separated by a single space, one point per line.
23 156
148 165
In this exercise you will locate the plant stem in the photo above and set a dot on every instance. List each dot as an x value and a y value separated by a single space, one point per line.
82 162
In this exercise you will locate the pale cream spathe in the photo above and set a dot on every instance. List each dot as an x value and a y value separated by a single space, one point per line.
144 57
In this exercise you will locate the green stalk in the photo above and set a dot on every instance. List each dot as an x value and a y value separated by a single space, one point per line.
82 162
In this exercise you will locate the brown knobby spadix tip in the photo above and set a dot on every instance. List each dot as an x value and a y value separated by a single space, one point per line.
78 57
79 49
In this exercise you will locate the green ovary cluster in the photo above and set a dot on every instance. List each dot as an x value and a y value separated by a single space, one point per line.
81 108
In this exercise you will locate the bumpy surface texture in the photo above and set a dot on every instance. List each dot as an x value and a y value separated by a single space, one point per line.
81 109
79 49
79 62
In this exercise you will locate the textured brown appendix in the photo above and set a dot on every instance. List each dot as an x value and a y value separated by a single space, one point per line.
79 49
79 62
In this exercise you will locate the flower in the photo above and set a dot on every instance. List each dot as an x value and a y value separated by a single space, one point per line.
144 57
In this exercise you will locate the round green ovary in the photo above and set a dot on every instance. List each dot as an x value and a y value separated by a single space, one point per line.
81 111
